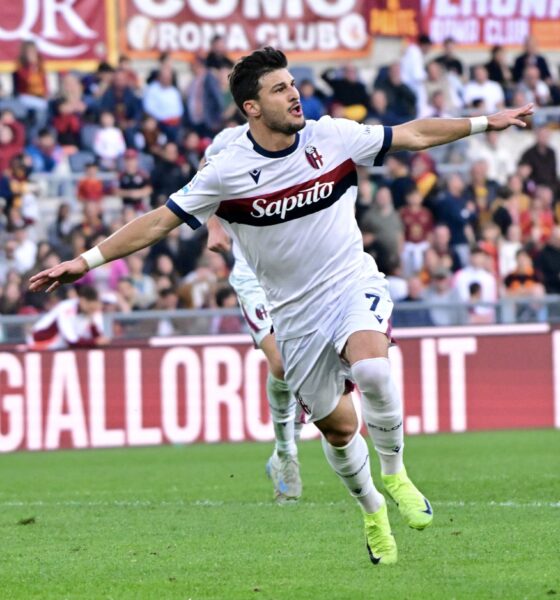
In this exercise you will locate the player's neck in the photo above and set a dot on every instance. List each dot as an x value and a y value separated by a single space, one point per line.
273 141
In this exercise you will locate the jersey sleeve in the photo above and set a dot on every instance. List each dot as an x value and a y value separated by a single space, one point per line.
197 201
367 144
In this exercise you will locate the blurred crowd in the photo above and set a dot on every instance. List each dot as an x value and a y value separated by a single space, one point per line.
485 230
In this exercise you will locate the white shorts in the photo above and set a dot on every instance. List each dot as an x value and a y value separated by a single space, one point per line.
314 369
254 307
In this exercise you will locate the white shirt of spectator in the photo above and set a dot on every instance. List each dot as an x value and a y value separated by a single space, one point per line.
501 163
490 92
163 103
413 73
25 255
64 326
109 143
540 95
292 214
488 289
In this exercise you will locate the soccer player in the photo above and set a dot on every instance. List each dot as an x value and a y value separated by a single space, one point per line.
285 193
73 323
283 466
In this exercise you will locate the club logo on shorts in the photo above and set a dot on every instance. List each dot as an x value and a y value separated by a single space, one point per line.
313 157
304 406
261 312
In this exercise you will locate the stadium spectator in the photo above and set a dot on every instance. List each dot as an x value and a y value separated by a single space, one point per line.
205 102
423 172
379 110
134 185
541 158
59 232
73 323
418 223
90 187
108 143
121 101
417 317
489 242
516 184
191 149
400 97
440 254
477 272
532 88
19 193
348 90
96 84
144 284
227 298
133 80
481 192
311 105
531 57
458 214
148 137
499 70
30 84
523 283
441 291
413 68
399 179
437 80
448 59
12 139
537 222
163 101
217 55
91 225
499 160
547 263
483 94
509 247
165 60
382 224
45 154
170 173
69 111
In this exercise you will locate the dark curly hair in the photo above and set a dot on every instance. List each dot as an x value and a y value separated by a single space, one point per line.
247 72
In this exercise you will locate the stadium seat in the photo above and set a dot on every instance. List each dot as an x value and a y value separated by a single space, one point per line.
87 135
79 160
13 104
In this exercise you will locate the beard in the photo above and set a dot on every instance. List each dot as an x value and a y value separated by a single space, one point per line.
274 123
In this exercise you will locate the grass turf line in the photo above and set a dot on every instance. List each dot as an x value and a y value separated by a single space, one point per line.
198 522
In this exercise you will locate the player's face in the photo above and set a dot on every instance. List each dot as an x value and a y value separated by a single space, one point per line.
279 103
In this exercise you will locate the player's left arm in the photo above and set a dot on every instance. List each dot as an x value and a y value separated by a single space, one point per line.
426 133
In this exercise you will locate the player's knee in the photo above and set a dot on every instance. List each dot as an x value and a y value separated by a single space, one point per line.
341 434
373 376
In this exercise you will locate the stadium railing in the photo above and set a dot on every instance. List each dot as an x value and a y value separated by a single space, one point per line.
142 324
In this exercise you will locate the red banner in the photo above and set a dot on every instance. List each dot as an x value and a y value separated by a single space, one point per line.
75 34
492 22
316 29
212 389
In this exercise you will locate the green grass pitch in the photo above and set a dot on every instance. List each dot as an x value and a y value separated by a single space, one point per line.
198 522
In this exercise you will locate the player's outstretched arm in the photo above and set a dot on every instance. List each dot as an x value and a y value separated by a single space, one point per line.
139 233
426 133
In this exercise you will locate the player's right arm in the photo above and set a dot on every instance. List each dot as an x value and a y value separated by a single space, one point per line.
139 233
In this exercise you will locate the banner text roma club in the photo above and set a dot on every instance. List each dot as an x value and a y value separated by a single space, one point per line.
212 389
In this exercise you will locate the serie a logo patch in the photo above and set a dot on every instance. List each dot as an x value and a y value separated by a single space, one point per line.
313 157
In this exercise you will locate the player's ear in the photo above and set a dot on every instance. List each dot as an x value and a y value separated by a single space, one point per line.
252 108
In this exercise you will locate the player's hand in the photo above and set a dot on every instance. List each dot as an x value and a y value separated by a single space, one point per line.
513 116
50 280
218 239
102 340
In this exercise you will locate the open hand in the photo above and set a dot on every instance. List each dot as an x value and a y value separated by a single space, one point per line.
50 280
512 116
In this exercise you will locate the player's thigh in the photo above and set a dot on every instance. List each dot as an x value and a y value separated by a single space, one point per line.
340 426
270 349
365 326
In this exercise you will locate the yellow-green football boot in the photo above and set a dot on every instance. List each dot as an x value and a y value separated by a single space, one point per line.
381 544
413 506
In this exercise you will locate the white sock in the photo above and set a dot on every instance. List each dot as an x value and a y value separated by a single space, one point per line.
351 464
283 410
382 410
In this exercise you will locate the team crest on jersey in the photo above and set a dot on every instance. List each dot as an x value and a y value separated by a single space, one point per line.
261 312
313 157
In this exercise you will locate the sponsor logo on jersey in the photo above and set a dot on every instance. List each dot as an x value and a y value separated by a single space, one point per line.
291 203
313 157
